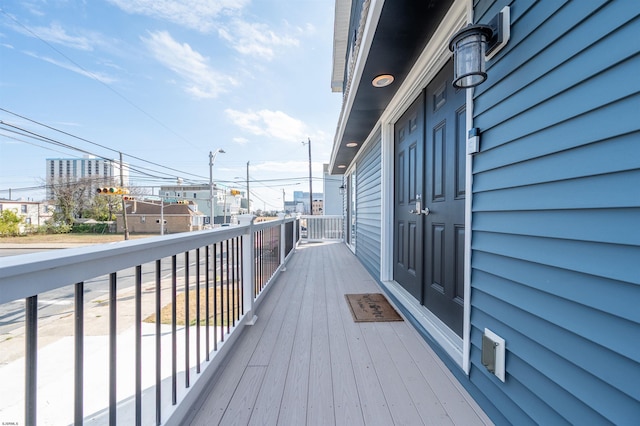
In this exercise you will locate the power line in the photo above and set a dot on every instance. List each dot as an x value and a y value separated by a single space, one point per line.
86 140
96 78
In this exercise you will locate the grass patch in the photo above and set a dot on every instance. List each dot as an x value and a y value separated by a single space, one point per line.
221 311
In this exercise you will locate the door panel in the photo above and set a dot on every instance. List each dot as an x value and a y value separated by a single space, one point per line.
409 166
443 284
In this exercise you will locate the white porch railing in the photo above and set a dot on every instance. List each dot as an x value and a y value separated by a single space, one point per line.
167 361
321 228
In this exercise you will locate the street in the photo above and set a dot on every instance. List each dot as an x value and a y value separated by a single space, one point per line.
60 302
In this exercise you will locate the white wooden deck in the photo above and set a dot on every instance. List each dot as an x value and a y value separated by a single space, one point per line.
306 361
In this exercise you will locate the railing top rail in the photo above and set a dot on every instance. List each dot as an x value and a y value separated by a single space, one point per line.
328 216
271 223
30 274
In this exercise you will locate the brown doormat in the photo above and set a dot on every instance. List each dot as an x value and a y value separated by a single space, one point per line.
371 307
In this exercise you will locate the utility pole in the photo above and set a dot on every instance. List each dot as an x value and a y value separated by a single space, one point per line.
284 203
248 201
124 205
310 178
212 158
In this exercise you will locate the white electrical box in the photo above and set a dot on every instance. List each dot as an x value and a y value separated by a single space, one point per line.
473 141
493 353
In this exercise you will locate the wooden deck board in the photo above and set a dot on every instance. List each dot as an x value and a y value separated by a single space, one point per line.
307 362
267 407
347 408
320 407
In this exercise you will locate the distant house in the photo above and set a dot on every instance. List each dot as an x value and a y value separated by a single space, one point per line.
515 254
33 214
147 217
226 205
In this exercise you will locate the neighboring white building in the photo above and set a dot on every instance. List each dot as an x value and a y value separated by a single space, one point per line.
225 205
32 213
333 193
98 169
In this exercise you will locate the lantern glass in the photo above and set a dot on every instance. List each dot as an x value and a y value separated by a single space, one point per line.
469 56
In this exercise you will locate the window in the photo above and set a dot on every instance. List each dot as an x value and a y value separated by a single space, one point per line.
23 208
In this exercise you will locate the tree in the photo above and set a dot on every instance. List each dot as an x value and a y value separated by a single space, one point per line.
76 198
9 223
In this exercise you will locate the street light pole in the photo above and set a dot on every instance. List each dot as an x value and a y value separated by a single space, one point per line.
212 158
310 178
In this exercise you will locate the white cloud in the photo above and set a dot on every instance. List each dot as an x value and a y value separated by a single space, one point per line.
240 141
274 124
95 75
195 14
200 79
255 39
56 34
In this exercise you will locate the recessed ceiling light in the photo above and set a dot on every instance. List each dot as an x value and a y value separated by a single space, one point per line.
382 80
342 166
352 144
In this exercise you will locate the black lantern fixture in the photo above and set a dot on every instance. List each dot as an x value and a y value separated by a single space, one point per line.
473 45
468 46
342 188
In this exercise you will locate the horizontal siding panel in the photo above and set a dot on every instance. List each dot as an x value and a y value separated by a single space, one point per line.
615 226
610 156
612 332
368 208
604 260
613 297
574 393
566 105
621 118
615 48
571 337
555 208
512 412
544 409
555 57
586 193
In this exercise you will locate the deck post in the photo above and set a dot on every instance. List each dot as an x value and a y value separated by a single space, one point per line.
248 267
283 240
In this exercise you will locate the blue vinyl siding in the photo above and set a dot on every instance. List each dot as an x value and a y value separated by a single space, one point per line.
368 208
556 213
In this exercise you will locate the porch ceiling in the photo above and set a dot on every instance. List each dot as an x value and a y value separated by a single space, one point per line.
403 30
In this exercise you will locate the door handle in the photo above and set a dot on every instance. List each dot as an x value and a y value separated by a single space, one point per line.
419 210
425 211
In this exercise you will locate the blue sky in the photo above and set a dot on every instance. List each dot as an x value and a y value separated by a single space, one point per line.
169 81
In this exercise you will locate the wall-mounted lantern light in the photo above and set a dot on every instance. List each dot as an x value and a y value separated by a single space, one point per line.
342 188
473 45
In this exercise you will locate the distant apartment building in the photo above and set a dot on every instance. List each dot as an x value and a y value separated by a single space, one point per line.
98 170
